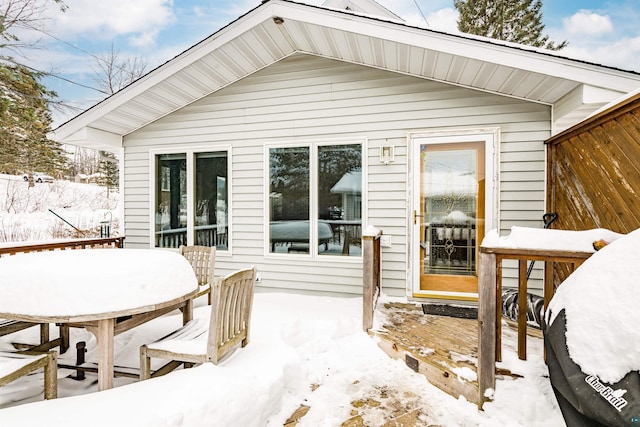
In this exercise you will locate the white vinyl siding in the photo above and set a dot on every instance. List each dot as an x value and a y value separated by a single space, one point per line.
308 98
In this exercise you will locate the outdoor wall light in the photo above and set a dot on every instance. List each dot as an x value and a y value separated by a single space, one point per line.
278 20
386 154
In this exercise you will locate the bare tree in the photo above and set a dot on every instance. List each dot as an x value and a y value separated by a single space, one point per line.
21 15
113 72
85 161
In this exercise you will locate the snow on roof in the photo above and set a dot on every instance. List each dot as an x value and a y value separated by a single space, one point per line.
351 182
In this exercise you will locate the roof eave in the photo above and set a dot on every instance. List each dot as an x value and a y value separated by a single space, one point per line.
468 48
159 74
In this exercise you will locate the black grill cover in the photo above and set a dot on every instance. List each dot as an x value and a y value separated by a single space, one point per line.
583 399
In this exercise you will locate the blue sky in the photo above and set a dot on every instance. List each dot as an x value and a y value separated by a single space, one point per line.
601 31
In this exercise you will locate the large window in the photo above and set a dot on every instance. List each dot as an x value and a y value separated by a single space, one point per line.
315 199
191 199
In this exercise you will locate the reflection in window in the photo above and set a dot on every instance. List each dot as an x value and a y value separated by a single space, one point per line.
171 200
211 213
450 188
289 199
340 199
209 203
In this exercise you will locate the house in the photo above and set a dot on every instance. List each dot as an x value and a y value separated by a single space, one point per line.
238 142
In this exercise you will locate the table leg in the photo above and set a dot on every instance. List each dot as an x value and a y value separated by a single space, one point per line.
347 240
105 353
187 311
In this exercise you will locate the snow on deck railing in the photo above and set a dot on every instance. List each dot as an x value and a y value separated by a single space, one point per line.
11 248
549 239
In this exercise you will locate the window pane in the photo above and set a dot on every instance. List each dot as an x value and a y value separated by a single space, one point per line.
171 200
289 199
340 199
450 195
211 213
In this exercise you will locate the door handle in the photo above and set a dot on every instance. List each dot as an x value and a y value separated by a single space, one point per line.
416 216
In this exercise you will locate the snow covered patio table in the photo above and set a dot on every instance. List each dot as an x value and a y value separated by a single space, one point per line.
93 288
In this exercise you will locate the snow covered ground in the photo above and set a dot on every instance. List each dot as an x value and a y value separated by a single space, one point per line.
296 342
25 212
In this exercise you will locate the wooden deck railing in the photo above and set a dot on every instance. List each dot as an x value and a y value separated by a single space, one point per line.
107 242
490 302
370 278
205 235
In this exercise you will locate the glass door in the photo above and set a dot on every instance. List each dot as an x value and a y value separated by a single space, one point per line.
449 219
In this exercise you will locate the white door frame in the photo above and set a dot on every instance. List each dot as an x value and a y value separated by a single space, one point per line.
491 139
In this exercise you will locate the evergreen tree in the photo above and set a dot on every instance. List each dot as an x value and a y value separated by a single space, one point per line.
108 167
25 120
518 21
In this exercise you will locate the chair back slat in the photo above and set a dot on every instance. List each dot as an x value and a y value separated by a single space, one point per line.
202 259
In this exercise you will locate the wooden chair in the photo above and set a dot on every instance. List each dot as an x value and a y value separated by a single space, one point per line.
17 365
202 259
208 340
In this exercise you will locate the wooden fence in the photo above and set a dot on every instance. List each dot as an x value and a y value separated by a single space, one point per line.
592 173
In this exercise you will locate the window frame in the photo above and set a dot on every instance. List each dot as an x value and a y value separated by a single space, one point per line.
190 153
313 197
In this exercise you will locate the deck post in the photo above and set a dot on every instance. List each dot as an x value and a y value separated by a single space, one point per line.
490 302
522 309
486 325
370 277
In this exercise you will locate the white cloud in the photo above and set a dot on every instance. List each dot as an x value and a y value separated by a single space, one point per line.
587 23
143 39
444 20
609 37
414 19
139 19
622 53
405 8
